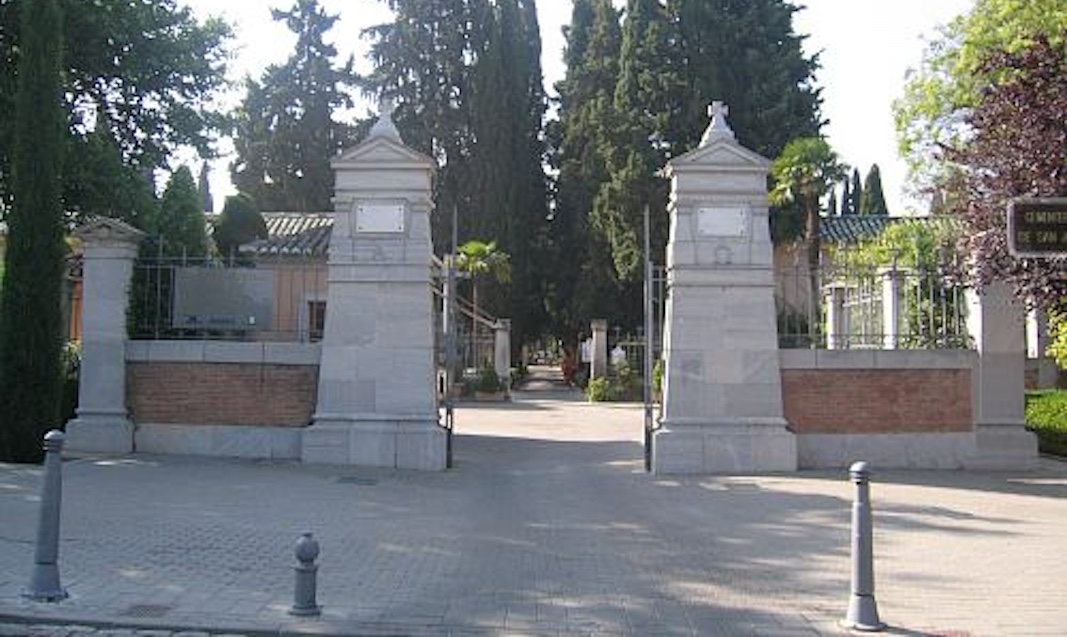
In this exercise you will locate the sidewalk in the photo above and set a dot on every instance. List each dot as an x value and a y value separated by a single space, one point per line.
547 525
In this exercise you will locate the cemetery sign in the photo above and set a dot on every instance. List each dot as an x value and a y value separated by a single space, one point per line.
1037 227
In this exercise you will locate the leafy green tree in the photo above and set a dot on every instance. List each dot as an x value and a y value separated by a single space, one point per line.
873 200
30 303
181 226
805 171
930 115
1017 148
99 182
240 222
141 75
286 131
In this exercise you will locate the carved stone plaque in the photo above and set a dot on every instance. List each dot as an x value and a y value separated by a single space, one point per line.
379 218
722 221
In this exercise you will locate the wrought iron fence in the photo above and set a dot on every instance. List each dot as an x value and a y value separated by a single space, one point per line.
886 308
272 299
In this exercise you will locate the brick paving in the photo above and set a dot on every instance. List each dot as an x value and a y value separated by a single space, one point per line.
547 525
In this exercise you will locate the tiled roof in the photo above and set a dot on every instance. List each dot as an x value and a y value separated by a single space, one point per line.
293 234
853 228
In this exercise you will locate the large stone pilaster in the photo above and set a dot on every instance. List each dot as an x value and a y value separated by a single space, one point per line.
102 424
376 399
722 396
996 323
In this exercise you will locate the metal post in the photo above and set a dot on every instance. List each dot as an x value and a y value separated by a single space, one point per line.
45 586
304 604
649 349
862 608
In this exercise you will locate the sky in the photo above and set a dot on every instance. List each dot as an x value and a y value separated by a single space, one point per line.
865 49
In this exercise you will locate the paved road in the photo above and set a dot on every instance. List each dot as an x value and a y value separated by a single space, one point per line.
546 526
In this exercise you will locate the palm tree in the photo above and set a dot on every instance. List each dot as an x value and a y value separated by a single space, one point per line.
477 259
805 171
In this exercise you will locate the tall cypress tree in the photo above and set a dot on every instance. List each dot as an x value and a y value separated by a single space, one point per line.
846 198
855 195
181 225
583 284
508 106
30 303
873 200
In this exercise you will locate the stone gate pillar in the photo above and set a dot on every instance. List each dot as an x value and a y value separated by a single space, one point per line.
376 399
598 354
722 395
996 322
102 424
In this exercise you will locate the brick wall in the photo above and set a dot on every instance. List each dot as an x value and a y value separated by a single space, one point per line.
839 401
201 393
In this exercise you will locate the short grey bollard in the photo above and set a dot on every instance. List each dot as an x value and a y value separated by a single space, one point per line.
862 609
44 586
304 605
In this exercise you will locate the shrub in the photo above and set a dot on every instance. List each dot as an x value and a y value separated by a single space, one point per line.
488 381
1046 416
599 390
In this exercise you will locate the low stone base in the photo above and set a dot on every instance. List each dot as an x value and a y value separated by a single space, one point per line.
399 443
885 451
226 441
1003 448
110 433
723 449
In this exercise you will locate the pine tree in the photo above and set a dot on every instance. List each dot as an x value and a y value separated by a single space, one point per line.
181 225
286 133
873 200
30 316
240 222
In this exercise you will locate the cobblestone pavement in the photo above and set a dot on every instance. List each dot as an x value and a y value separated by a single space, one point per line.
547 525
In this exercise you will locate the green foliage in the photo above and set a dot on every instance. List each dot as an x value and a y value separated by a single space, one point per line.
1046 416
1057 347
30 302
181 225
239 223
140 77
930 114
286 132
622 385
489 381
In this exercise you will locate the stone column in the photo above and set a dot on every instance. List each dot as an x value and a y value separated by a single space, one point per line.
892 305
722 392
102 424
502 350
376 399
598 357
837 316
995 321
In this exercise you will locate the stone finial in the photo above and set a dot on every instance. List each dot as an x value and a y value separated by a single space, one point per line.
385 127
718 128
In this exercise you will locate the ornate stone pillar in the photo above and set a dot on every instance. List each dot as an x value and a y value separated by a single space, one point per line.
722 393
892 280
376 400
995 321
834 297
502 350
102 424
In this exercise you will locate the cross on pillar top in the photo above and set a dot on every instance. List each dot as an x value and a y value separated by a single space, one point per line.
385 127
718 127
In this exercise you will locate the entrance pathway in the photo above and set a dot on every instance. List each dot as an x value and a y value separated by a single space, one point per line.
546 526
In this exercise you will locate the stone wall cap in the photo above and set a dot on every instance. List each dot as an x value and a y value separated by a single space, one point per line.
107 228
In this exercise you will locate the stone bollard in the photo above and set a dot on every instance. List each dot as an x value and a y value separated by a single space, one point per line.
45 586
304 604
862 608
